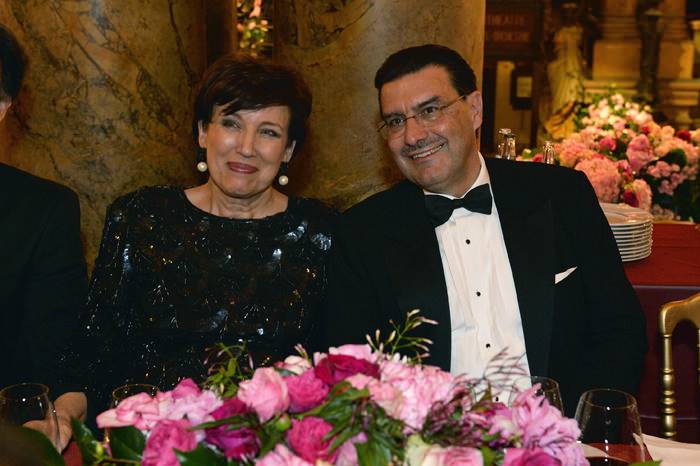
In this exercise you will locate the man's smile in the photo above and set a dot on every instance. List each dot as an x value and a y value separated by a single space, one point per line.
425 153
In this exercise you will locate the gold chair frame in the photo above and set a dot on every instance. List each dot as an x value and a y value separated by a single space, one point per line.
670 315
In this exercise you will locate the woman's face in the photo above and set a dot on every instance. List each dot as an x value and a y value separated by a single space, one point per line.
245 149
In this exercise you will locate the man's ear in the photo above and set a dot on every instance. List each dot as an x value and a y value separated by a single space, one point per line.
4 107
476 107
289 151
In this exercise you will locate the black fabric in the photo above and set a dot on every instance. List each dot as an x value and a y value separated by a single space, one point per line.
171 281
585 331
42 279
440 208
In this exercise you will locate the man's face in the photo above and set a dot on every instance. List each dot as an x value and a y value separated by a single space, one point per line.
441 157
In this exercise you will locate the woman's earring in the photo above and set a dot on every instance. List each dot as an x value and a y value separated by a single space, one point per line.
282 177
201 157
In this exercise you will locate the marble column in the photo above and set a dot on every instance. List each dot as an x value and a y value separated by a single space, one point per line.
616 55
338 47
105 107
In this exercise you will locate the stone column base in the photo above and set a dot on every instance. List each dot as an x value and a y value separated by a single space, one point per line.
676 98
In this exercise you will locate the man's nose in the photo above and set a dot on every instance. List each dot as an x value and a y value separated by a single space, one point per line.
414 132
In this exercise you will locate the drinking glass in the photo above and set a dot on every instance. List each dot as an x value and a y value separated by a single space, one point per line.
609 421
548 388
23 403
131 389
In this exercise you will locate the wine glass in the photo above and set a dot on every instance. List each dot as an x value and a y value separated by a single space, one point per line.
548 388
29 404
609 421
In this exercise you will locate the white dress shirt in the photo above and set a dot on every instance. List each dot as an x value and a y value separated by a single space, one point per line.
484 312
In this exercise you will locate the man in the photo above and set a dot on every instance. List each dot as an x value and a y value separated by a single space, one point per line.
42 271
530 265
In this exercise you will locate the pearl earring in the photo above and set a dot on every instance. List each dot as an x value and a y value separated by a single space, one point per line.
202 167
282 177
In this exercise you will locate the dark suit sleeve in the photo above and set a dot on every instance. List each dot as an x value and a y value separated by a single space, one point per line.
55 291
615 322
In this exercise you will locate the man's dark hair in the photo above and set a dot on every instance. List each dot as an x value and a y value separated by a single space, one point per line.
414 59
239 82
12 65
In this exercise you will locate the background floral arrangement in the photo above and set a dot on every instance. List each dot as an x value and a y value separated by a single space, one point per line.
357 404
630 158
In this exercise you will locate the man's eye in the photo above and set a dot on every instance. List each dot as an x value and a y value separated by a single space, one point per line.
395 122
430 110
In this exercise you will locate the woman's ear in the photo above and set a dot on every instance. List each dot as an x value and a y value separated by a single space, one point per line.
202 134
289 151
4 107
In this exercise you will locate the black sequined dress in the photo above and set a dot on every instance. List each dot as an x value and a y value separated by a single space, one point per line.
172 280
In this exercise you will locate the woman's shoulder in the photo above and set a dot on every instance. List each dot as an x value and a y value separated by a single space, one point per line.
150 200
312 208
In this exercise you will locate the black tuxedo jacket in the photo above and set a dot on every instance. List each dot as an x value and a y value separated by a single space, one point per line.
42 277
585 331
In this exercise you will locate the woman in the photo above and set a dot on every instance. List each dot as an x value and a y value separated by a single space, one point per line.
232 260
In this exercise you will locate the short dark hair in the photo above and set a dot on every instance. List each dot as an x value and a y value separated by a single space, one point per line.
12 64
239 82
413 59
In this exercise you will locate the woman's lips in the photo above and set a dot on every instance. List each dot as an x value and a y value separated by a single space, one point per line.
241 167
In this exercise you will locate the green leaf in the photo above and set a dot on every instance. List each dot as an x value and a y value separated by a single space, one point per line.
91 450
200 456
372 453
489 456
25 445
126 443
647 463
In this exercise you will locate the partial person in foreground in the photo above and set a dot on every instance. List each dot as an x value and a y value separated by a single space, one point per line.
43 279
233 260
502 254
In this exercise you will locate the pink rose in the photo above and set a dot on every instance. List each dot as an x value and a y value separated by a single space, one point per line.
452 456
306 391
607 143
294 364
337 367
165 436
266 393
347 453
306 439
185 389
683 134
281 456
525 457
629 197
639 152
643 191
356 351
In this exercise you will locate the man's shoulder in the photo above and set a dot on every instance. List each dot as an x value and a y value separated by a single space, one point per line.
28 188
534 176
149 200
382 203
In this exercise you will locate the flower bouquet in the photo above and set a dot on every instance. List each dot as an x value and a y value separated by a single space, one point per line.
355 405
631 159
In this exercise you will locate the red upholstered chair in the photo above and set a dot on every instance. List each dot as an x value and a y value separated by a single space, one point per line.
670 315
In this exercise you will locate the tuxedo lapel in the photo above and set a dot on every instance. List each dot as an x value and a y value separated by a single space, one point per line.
526 222
413 261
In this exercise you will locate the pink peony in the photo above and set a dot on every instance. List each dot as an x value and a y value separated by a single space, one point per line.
347 453
643 191
294 364
306 391
452 456
187 400
525 457
356 351
281 456
306 438
570 152
639 152
266 393
141 411
166 436
337 367
236 443
604 176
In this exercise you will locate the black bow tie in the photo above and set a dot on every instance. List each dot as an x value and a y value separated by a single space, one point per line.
440 208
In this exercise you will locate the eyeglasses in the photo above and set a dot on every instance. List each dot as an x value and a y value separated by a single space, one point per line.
395 125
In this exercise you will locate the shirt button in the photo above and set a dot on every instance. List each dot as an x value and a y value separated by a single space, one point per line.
478 293
469 241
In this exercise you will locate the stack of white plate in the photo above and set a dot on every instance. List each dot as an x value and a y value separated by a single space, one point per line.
632 229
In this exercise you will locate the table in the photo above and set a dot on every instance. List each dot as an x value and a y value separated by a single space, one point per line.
671 272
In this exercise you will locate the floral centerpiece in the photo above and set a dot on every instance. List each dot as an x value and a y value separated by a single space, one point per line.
355 405
631 159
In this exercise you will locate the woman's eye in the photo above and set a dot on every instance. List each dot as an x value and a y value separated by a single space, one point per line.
271 133
230 123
